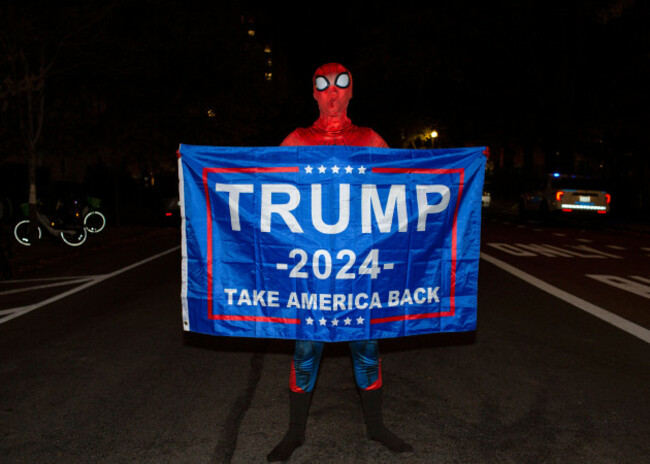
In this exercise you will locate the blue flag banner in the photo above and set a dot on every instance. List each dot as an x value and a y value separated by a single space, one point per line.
330 243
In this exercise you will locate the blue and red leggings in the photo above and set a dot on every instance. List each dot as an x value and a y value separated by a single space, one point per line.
306 360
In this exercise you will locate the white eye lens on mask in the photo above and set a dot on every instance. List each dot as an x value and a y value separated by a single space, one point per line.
342 80
321 83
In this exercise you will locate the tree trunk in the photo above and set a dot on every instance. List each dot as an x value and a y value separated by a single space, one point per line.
33 207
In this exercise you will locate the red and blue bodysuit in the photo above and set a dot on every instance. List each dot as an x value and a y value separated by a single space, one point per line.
333 91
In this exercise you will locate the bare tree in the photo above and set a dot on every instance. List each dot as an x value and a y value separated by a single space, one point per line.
32 39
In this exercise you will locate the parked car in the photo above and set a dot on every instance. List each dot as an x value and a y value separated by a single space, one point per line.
171 211
486 199
566 195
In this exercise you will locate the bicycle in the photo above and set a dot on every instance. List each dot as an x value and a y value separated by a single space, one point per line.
94 220
72 232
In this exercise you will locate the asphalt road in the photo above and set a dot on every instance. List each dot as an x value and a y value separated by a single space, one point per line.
104 374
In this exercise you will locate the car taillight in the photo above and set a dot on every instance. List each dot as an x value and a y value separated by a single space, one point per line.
558 196
608 198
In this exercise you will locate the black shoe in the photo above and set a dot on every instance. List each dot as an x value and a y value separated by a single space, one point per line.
283 451
372 402
390 440
295 436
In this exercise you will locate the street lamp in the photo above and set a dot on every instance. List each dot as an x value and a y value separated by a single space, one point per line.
433 135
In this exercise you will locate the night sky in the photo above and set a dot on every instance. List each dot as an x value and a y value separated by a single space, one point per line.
141 77
509 68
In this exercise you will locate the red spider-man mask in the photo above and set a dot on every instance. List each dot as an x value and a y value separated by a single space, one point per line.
332 89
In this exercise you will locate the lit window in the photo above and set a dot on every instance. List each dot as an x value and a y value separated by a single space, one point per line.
268 76
251 33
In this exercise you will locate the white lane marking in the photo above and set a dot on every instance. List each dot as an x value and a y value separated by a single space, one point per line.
613 319
545 250
592 250
623 284
39 287
616 247
584 240
550 250
13 313
511 249
641 279
44 279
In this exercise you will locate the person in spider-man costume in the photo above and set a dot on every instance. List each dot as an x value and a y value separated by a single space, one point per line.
333 90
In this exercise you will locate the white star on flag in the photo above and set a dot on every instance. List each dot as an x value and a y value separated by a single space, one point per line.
362 170
309 321
359 320
322 321
347 321
309 169
335 322
322 169
349 169
335 169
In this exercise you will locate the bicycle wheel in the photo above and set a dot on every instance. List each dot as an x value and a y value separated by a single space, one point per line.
75 238
21 233
94 222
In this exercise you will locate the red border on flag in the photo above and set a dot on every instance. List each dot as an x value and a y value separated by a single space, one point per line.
454 243
407 317
209 263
